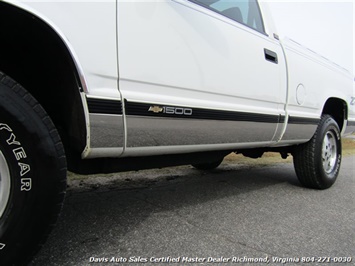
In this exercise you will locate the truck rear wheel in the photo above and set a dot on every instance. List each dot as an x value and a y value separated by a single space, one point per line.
317 162
32 174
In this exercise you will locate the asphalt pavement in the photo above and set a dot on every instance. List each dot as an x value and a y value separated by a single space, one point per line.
234 215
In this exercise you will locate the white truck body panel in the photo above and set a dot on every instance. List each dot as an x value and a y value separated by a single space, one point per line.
180 55
196 59
320 77
91 39
312 80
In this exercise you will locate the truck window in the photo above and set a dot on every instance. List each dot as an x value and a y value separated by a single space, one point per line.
246 12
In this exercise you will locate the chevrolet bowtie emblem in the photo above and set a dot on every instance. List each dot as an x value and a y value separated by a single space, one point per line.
155 109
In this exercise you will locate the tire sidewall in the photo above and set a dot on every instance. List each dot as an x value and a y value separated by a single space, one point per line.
31 158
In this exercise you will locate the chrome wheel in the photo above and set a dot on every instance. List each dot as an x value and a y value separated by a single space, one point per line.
329 152
5 184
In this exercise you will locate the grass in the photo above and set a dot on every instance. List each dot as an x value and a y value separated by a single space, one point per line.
348 146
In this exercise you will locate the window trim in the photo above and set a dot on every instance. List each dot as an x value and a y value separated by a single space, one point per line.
246 25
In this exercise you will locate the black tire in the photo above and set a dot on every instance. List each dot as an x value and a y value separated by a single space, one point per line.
34 164
317 162
209 165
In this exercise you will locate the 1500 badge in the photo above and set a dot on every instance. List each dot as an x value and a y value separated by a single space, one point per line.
170 110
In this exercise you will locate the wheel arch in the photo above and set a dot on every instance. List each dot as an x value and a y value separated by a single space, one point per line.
338 109
36 55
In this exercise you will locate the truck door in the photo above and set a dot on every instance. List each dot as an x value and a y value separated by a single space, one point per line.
198 73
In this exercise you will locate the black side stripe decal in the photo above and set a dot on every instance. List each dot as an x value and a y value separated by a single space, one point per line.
303 120
141 109
103 106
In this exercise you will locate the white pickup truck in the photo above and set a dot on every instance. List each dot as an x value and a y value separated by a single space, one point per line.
125 85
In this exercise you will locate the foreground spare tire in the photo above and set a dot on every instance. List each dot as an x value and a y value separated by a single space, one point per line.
317 162
32 174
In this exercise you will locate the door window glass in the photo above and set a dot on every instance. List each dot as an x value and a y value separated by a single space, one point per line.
246 12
